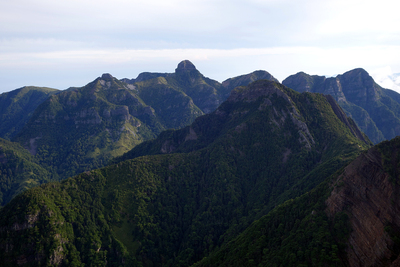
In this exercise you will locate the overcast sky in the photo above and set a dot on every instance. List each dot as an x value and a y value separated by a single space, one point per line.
63 43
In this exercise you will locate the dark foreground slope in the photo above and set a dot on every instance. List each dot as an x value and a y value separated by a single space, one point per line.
375 110
368 191
264 145
352 219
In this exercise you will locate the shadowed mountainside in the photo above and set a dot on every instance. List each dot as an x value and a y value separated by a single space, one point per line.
175 209
375 110
17 106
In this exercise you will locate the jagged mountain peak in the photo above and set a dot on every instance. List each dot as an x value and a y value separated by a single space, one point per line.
105 82
254 91
149 75
281 103
241 80
303 82
361 81
107 77
359 74
357 71
355 80
375 110
185 65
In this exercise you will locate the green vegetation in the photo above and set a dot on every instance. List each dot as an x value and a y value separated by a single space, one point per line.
296 233
18 171
16 108
243 185
265 145
81 129
173 107
375 110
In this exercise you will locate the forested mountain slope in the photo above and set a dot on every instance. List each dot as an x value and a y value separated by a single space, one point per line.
18 171
352 219
82 128
207 94
17 106
375 110
264 145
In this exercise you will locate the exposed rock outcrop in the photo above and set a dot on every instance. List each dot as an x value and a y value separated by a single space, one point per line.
255 90
342 116
244 80
185 65
369 195
374 109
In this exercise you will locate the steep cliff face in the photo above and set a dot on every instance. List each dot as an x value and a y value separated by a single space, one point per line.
346 120
246 79
368 191
360 87
206 93
300 109
375 110
303 82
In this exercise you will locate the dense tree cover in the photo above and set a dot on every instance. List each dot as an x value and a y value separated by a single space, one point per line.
18 171
16 107
57 223
174 108
296 233
263 146
82 128
390 151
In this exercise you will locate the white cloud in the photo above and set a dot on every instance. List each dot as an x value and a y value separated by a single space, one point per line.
217 64
47 38
378 19
386 78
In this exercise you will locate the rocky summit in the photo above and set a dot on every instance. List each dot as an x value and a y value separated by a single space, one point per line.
83 128
185 65
375 110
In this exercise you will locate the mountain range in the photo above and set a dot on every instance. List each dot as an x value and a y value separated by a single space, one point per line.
208 187
176 169
375 110
81 129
